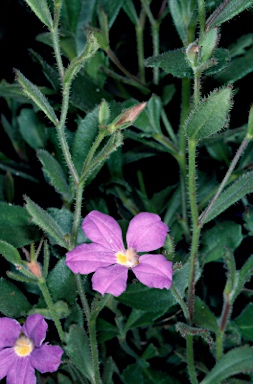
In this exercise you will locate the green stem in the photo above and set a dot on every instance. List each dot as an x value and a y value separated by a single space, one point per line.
180 302
50 305
224 181
196 87
155 38
77 213
81 292
140 47
168 126
201 10
57 52
227 307
190 359
98 303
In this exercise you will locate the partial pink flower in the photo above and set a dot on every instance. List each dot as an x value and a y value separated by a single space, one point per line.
110 260
22 351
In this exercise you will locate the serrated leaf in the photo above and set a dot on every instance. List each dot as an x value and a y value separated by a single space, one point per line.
46 222
33 92
9 253
225 234
245 322
15 219
78 350
41 10
173 62
13 302
227 11
210 115
55 172
231 195
237 360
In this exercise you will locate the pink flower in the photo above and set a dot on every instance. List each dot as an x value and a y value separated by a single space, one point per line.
22 351
109 259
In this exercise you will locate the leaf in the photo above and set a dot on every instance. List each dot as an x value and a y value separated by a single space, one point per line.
106 331
111 8
55 172
140 318
155 300
210 115
33 92
85 136
15 219
62 283
13 302
245 322
225 234
77 63
203 317
133 374
41 10
231 195
238 68
173 62
31 128
242 277
50 72
226 11
238 360
78 350
46 222
10 253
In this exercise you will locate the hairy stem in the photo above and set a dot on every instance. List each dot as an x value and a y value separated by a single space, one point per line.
140 47
190 359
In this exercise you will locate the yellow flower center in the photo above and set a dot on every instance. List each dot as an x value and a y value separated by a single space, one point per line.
129 258
23 346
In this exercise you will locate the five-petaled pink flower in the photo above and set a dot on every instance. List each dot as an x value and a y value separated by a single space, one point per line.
110 260
22 351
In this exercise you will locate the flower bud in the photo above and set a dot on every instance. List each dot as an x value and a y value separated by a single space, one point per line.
126 118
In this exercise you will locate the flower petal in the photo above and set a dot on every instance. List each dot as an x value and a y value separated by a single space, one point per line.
7 358
21 372
155 271
35 328
87 258
110 280
9 332
104 230
146 232
46 358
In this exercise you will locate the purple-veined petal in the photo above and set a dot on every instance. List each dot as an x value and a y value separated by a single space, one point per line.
146 232
87 258
111 279
9 332
21 372
46 358
155 271
35 328
104 230
7 359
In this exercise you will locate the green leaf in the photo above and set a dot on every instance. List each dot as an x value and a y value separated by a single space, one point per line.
227 12
130 10
245 322
33 92
70 14
55 172
173 62
10 253
106 331
231 195
152 376
15 219
62 283
242 277
133 374
219 62
31 128
46 222
50 72
78 62
208 43
41 10
225 234
12 301
237 68
85 136
210 116
111 8
140 318
155 300
78 350
236 361
203 317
